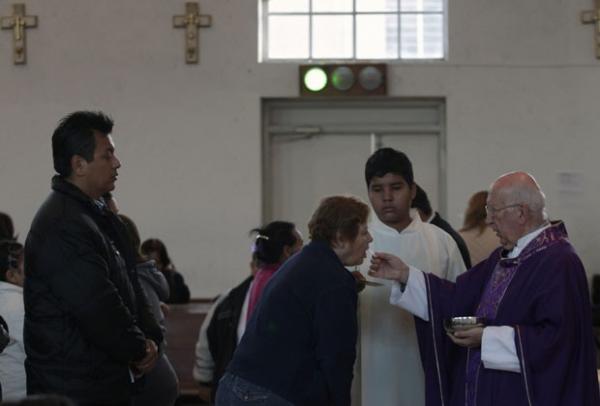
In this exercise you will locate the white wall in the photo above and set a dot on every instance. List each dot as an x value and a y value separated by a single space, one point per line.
521 85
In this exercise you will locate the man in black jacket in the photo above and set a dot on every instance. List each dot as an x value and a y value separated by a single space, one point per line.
88 331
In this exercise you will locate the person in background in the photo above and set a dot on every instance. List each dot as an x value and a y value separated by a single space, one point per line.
479 237
155 249
211 360
7 229
12 359
274 244
161 385
423 206
299 346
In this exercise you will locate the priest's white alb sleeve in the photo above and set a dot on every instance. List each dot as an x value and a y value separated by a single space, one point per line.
498 349
414 297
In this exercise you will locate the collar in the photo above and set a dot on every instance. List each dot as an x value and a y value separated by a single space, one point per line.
412 227
525 240
269 267
61 185
320 247
430 219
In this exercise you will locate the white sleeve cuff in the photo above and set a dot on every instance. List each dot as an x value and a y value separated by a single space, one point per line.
498 349
414 297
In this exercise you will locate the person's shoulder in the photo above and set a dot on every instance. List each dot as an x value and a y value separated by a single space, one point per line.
147 267
562 251
148 273
441 222
61 213
440 235
11 298
243 286
315 269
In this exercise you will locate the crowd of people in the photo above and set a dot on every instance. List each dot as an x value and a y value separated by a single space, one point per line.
83 300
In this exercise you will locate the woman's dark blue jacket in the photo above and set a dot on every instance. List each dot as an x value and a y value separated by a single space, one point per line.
300 342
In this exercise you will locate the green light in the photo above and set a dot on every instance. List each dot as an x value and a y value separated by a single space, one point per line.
315 79
342 78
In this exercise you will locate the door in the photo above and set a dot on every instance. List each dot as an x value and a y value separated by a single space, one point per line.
318 149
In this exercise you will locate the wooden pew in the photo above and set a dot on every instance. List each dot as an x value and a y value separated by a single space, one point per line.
183 324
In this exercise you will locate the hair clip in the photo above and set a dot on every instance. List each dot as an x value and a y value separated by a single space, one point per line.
260 236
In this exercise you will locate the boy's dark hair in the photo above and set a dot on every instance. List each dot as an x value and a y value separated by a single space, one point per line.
271 239
421 202
75 136
389 160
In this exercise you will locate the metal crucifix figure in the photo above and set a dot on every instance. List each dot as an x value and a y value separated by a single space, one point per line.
191 21
18 22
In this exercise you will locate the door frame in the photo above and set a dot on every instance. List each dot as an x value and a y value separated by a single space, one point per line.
269 104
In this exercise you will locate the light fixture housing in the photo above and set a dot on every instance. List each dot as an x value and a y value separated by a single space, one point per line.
343 80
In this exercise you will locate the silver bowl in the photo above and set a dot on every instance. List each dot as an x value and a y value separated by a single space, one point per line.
463 323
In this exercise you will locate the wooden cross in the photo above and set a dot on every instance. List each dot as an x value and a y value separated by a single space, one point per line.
191 21
593 17
18 22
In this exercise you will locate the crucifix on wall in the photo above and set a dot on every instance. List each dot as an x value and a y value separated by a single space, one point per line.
191 21
593 17
18 22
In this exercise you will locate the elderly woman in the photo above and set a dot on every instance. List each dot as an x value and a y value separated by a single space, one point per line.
300 343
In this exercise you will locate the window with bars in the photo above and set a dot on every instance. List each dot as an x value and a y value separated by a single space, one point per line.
352 30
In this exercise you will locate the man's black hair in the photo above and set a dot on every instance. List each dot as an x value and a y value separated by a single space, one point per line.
421 202
75 136
389 160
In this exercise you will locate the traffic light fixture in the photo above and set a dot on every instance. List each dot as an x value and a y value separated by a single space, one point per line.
343 80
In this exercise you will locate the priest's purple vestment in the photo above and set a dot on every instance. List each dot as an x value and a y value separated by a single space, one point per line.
543 295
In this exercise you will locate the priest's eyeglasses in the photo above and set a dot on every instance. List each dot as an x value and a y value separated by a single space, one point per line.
491 211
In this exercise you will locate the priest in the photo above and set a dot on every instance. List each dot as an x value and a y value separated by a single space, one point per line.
535 346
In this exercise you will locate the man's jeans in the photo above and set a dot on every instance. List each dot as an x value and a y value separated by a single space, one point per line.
234 391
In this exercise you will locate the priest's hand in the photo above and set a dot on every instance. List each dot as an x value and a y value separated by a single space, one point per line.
388 266
470 338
